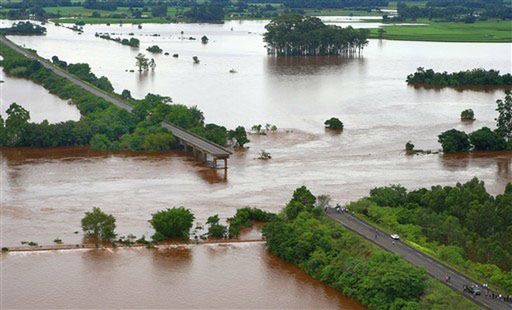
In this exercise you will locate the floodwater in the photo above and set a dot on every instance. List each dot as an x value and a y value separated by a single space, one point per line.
36 99
227 276
45 192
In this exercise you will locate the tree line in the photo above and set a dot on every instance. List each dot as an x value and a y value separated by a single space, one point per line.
468 78
102 125
456 10
23 28
295 35
462 225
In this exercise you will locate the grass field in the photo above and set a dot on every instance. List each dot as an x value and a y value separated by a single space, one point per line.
485 31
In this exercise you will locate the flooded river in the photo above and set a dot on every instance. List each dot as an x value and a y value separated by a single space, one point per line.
228 276
45 192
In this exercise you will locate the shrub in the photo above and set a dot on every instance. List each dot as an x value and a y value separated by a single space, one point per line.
155 49
334 123
467 115
172 223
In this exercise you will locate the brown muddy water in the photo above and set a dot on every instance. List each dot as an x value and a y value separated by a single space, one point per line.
227 276
44 192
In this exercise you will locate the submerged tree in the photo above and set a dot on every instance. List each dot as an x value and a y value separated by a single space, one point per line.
295 35
98 224
142 62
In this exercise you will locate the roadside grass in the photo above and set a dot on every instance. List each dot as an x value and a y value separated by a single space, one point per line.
484 31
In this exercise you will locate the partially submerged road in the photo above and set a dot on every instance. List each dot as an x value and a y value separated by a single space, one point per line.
433 267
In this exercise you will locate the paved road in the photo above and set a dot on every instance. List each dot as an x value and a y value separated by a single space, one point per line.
192 139
433 267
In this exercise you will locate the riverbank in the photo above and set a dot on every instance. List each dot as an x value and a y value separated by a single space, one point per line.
491 31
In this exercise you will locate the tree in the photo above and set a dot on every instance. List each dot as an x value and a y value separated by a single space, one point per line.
98 224
239 135
323 201
467 115
334 123
454 141
304 196
484 139
155 49
152 64
216 230
142 62
195 59
172 223
409 147
256 128
100 142
204 39
17 120
504 120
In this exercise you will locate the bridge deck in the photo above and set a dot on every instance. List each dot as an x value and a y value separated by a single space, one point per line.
191 139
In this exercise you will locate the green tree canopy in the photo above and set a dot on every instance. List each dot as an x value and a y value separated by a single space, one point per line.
172 223
98 224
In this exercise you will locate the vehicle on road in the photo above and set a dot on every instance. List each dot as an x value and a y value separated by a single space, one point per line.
472 289
395 237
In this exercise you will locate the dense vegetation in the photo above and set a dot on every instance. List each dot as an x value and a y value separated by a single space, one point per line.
295 35
483 139
23 28
245 217
102 125
302 235
461 225
468 78
205 12
456 10
172 223
99 225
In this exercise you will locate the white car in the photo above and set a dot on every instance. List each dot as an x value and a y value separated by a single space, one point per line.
395 237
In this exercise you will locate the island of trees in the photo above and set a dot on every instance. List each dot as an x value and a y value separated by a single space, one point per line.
333 123
296 35
133 42
155 49
468 78
461 225
23 28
